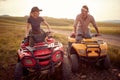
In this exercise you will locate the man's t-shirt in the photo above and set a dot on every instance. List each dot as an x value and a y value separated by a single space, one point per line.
35 23
82 25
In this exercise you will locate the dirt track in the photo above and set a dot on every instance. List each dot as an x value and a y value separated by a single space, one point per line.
86 72
110 39
91 72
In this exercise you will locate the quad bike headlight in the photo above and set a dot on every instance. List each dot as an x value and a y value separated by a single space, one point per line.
57 56
28 61
103 51
81 51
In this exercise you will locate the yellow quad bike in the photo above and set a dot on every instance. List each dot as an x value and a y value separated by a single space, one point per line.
88 50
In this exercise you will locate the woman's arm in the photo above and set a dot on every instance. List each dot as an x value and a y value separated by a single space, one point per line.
47 25
27 29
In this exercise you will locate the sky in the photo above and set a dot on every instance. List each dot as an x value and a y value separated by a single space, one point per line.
100 9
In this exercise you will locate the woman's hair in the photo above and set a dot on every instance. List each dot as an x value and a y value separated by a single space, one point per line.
34 9
86 7
30 14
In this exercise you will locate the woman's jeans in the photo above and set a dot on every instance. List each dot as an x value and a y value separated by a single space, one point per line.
35 38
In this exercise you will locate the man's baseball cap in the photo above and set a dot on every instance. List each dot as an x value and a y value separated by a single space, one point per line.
35 9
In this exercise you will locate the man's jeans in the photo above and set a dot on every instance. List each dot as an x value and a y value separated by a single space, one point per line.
80 36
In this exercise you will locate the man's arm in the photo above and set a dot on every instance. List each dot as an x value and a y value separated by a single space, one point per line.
76 23
95 26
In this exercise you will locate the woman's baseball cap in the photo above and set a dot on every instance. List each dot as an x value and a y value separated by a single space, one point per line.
35 9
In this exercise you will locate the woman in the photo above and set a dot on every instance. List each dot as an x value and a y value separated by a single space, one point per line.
36 33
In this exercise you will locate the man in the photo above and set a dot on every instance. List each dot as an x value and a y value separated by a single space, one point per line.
81 23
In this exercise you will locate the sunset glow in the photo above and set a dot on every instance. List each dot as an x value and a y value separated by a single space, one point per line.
100 9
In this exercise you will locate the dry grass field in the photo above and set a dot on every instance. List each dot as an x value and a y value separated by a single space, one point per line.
12 31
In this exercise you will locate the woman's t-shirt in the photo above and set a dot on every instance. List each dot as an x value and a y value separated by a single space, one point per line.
35 23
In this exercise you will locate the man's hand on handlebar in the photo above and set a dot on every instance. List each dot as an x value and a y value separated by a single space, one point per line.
97 34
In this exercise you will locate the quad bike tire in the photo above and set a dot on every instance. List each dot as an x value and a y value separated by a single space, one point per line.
69 49
66 68
63 71
69 46
105 63
74 63
20 71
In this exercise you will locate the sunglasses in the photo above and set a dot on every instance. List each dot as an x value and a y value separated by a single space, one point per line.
84 10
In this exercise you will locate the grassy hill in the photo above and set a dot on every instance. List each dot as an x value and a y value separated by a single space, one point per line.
62 24
53 21
22 20
59 21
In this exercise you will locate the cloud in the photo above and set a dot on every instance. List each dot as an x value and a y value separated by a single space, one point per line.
3 0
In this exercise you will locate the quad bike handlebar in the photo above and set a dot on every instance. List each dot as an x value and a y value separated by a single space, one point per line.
92 35
49 34
95 35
